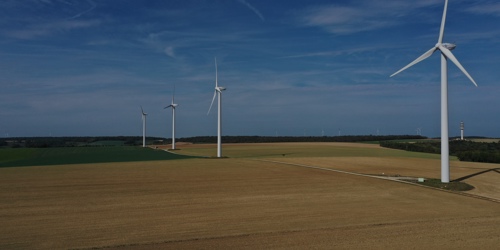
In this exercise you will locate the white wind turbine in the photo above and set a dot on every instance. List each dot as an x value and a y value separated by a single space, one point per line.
462 130
143 128
445 49
173 106
218 92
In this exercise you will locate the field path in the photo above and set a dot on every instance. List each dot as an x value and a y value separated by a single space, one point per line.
400 179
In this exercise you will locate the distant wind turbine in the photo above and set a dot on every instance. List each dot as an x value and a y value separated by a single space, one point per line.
143 127
462 130
218 92
445 49
173 106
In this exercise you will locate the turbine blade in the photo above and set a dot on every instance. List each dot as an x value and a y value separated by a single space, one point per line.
443 21
216 83
142 110
168 107
213 99
173 95
452 58
419 59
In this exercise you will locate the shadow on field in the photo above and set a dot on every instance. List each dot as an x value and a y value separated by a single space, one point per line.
476 174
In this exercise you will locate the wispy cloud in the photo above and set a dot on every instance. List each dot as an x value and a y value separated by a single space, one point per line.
45 17
486 8
92 7
361 16
159 44
179 44
169 51
45 29
331 53
255 10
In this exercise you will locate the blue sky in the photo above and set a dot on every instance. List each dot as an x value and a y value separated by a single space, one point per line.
83 68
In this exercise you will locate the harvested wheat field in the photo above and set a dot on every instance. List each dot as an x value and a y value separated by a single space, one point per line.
243 202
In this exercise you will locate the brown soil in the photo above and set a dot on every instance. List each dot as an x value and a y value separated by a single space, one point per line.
244 204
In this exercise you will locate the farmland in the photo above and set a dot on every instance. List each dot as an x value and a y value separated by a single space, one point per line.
258 197
14 157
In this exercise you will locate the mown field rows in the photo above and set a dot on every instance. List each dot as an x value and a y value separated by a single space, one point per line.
242 203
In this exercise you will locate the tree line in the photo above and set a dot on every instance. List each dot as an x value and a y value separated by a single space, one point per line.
45 142
269 139
464 150
73 141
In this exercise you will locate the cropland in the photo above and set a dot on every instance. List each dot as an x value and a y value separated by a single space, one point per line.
261 196
19 157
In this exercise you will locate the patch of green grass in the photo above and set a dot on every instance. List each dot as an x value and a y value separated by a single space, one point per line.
15 154
16 157
369 142
107 143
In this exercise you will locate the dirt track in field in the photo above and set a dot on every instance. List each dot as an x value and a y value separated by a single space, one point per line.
243 204
483 176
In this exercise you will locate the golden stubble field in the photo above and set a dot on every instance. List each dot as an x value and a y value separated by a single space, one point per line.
242 202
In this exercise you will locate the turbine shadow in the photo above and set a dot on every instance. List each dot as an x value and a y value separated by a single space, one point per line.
476 174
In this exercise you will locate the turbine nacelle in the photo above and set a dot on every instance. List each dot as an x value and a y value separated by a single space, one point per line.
220 89
449 46
173 105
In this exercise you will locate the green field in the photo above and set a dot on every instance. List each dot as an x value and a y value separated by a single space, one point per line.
17 157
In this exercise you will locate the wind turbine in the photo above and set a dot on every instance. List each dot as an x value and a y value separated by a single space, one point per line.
173 106
143 128
445 49
218 92
462 130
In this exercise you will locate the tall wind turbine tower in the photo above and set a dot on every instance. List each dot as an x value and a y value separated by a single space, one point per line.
462 130
445 49
143 128
218 92
173 106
